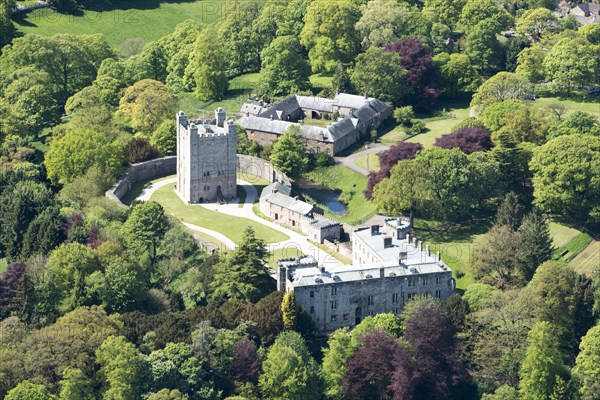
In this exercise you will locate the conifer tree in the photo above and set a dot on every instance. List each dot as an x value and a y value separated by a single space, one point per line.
288 309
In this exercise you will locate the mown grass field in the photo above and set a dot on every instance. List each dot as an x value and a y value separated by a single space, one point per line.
588 260
352 185
232 227
368 161
122 19
438 122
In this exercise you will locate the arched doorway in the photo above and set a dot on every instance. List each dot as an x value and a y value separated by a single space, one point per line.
358 315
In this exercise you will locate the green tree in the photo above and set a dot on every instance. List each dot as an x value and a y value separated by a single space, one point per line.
244 276
122 369
572 61
164 138
578 122
527 124
554 298
112 79
543 364
477 295
123 286
43 234
404 115
483 47
68 266
504 392
535 23
237 35
292 19
458 74
284 70
379 73
475 11
535 245
289 153
71 155
70 342
500 87
385 21
29 391
289 372
144 227
75 385
437 183
444 11
146 104
7 29
155 60
530 63
166 394
207 67
495 262
510 212
339 349
30 101
19 206
586 366
288 310
495 116
329 33
566 176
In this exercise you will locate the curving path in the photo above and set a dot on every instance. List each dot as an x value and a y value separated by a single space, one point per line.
246 211
349 162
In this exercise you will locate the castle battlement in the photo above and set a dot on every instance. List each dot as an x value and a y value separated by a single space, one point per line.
206 158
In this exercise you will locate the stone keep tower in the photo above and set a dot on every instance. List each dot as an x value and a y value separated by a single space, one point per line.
206 158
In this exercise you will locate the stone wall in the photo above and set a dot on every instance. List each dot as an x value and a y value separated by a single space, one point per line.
160 167
143 171
249 165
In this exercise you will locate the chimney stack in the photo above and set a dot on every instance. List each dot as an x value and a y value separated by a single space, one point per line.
220 117
374 230
408 238
439 256
428 250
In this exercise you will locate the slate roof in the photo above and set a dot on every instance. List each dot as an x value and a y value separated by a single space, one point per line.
290 203
286 106
279 127
310 275
315 103
350 100
323 223
252 109
280 187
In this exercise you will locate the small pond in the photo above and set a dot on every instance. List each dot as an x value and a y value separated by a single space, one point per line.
323 195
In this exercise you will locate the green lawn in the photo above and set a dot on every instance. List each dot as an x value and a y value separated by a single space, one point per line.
368 161
352 185
122 19
574 104
573 247
561 234
3 265
588 260
232 227
237 94
320 81
438 123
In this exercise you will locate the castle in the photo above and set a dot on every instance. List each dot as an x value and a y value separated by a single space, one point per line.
389 269
206 158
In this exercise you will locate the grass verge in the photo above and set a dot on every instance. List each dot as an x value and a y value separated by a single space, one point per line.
337 256
573 247
232 227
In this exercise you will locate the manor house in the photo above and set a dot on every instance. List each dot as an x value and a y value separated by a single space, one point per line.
206 158
352 117
389 269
